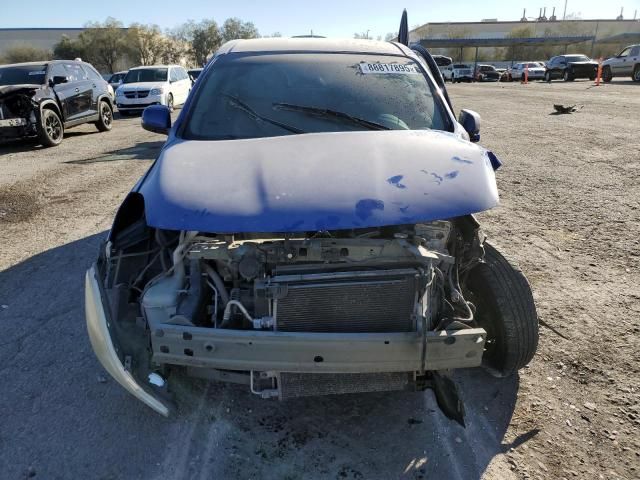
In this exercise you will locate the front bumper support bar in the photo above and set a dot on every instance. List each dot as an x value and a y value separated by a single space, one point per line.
315 352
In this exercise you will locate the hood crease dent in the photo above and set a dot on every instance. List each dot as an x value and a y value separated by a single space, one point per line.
319 181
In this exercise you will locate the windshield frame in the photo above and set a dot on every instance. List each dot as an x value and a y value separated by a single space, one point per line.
187 109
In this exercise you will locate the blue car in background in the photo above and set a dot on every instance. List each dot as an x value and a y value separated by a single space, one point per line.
308 229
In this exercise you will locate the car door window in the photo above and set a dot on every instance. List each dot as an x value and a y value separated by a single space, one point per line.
57 70
625 52
173 77
75 72
91 73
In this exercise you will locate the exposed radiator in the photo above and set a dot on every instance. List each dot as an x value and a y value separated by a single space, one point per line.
292 385
364 301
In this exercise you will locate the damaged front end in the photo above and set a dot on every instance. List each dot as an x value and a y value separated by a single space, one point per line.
373 276
289 315
19 111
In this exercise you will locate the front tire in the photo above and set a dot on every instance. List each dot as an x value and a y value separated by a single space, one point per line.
506 310
105 118
607 76
170 102
51 129
636 74
547 77
566 76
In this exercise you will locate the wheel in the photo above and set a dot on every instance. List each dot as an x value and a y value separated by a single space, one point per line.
547 77
170 102
105 119
566 76
607 76
636 74
51 129
505 309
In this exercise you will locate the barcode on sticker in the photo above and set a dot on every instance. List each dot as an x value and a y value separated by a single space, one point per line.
383 68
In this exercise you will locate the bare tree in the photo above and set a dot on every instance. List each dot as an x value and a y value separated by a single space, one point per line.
146 43
104 43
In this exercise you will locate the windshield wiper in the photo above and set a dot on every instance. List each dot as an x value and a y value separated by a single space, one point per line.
328 113
240 105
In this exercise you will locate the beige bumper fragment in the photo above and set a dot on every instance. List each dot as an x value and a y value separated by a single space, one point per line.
104 347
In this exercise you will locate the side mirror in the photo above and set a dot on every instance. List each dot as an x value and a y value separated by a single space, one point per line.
157 119
58 79
470 121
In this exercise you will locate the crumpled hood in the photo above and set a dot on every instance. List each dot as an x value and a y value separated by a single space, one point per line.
27 87
321 181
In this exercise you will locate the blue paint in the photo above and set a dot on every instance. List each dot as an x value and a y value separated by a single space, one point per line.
451 175
462 160
395 181
366 207
193 185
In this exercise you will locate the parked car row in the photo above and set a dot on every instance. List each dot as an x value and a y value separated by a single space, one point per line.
566 67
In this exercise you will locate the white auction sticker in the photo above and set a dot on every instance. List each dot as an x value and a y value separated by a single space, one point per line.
384 68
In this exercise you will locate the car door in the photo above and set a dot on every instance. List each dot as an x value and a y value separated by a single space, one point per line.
80 101
174 87
98 86
620 66
63 91
185 83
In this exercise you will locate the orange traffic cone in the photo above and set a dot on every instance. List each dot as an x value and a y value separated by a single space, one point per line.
526 74
599 76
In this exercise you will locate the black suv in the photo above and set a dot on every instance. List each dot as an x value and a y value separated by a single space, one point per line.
42 99
570 67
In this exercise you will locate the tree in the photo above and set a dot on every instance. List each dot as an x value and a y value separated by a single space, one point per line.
146 44
25 53
175 49
234 28
104 43
361 35
203 38
67 49
390 36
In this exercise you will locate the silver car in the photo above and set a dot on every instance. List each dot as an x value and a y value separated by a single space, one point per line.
626 63
535 71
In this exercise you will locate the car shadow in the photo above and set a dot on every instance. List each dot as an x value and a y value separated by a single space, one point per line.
62 416
140 151
19 145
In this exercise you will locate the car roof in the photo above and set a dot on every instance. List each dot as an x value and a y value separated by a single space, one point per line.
44 62
320 45
153 66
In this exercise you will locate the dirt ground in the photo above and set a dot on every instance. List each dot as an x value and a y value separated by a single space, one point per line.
570 205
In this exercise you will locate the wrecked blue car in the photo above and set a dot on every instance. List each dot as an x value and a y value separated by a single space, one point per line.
308 229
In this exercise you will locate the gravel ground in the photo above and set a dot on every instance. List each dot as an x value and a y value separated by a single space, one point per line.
570 204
